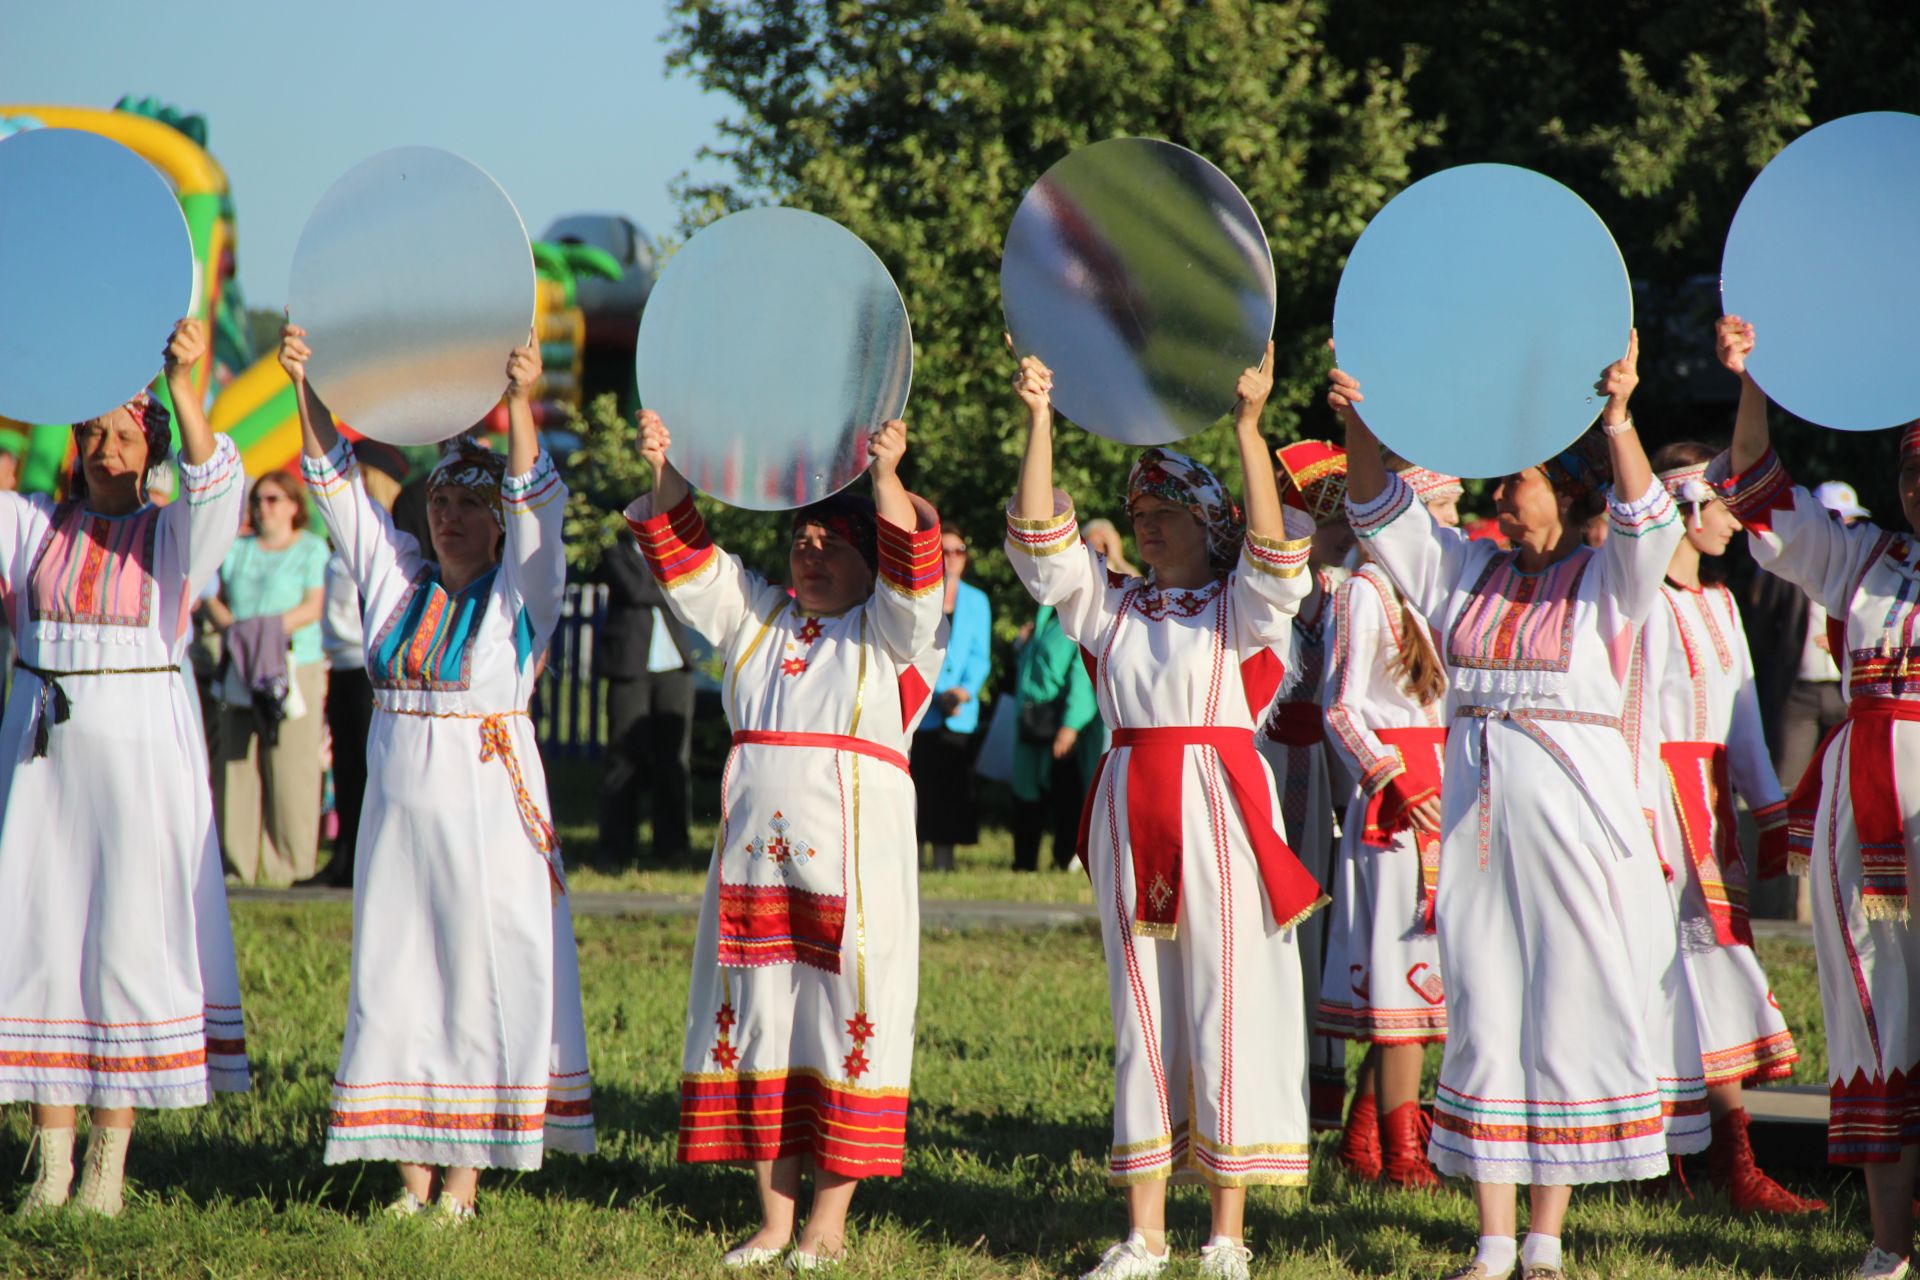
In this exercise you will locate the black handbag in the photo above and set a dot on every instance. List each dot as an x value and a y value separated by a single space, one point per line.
1039 722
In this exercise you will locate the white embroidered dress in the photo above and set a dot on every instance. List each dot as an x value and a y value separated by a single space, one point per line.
464 1043
117 978
1860 831
1383 982
1571 1053
1702 740
799 1033
1208 1011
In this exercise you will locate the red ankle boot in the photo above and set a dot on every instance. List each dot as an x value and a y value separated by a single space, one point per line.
1360 1140
1730 1167
1404 1132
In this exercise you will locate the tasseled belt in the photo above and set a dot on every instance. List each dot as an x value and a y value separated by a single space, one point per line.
1873 786
52 706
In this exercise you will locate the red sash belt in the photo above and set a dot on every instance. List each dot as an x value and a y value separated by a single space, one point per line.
1297 724
1156 760
1872 785
825 741
1422 749
1703 802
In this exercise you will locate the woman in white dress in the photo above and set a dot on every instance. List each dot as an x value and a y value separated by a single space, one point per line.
464 1045
1198 895
1700 741
1852 821
1386 715
117 981
1571 1055
799 1036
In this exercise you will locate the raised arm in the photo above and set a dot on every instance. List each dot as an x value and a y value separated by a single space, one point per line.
1043 536
1264 519
533 502
1366 469
1033 500
1643 524
1733 343
906 605
523 438
1632 473
317 435
184 350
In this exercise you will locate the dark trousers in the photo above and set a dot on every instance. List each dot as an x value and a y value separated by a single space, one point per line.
349 716
1066 792
649 746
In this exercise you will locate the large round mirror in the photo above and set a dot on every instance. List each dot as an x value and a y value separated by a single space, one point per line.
1823 259
773 346
95 267
414 282
1478 310
1140 275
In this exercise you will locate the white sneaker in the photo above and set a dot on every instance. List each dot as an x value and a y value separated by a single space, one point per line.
748 1255
1881 1265
1129 1259
403 1206
1225 1259
448 1212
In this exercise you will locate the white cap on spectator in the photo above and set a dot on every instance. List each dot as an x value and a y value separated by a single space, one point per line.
1838 497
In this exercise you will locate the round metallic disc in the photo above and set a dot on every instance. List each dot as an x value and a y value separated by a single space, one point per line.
1139 274
1478 310
96 265
773 346
414 281
1823 259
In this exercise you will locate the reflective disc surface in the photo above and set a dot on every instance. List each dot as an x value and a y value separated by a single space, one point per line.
1141 276
773 345
1823 259
1477 311
414 281
95 267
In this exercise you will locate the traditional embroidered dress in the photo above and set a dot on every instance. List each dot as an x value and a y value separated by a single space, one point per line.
464 1044
1700 741
117 978
806 965
1855 814
1567 1022
1293 741
1198 895
1382 983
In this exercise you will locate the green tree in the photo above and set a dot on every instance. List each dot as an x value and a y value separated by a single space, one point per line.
920 124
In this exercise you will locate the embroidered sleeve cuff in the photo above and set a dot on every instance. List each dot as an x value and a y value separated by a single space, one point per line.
1648 512
1767 817
538 488
1058 532
1382 771
674 542
1283 558
910 560
1756 493
1369 518
331 473
217 475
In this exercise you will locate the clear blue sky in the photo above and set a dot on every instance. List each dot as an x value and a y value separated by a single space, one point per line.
568 104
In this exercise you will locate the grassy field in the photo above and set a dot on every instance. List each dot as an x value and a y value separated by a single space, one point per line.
1004 1179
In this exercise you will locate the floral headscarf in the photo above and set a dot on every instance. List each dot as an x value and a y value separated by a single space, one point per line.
1432 486
472 466
1584 466
851 517
1910 441
1176 478
154 421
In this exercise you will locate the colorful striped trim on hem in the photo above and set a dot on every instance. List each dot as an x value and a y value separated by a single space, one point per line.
1048 537
1279 557
1871 1118
768 1115
1771 1057
910 559
675 543
1381 1026
1369 518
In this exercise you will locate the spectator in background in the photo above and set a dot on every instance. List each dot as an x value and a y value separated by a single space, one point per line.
1058 739
349 692
644 654
272 591
942 755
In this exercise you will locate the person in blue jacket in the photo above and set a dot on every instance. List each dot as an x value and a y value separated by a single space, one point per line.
943 744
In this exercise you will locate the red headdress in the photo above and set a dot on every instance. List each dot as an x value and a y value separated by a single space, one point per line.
1316 475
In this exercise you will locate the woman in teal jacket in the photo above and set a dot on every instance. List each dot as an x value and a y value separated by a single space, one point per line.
943 745
1058 739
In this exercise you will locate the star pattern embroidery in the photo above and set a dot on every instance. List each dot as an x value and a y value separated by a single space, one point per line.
782 852
861 1030
792 666
1160 893
810 630
724 1054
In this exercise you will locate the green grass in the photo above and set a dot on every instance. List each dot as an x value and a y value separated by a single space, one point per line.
1004 1179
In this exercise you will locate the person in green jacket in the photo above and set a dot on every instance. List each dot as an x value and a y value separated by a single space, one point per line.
1057 742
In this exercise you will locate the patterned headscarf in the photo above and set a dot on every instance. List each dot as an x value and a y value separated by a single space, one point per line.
1689 487
1176 478
1584 466
153 420
1910 441
470 465
1432 486
852 518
